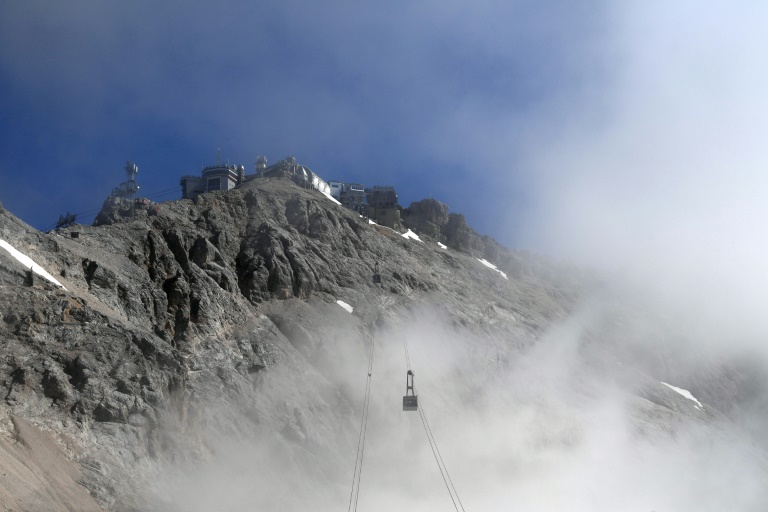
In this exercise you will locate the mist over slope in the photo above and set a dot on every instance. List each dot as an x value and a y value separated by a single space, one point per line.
199 359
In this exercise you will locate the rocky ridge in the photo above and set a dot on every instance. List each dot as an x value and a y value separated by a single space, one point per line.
198 320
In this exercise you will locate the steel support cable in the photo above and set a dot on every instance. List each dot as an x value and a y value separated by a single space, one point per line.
158 192
438 455
94 211
159 198
87 213
433 442
434 453
358 462
165 192
407 356
355 491
365 428
362 451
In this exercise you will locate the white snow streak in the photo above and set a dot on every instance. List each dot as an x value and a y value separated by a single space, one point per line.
371 222
28 262
442 245
685 393
487 263
345 305
493 267
412 235
329 196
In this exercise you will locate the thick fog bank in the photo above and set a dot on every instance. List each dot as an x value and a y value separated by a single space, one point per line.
576 420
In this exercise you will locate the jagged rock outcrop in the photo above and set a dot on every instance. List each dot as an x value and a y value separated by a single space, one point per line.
428 216
119 209
461 237
431 218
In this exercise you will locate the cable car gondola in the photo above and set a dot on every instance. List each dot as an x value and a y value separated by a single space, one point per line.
410 400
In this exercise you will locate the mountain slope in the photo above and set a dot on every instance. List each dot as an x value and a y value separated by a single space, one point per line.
199 357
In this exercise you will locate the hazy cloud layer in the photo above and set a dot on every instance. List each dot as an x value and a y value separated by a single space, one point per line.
659 175
539 429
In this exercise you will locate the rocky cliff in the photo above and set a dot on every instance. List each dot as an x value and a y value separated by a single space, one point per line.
213 330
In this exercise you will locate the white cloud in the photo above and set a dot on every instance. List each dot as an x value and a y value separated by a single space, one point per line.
657 172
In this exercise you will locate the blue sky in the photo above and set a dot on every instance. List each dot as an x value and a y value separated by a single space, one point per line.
431 97
611 132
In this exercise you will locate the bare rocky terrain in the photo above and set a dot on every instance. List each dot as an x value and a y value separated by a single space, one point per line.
217 320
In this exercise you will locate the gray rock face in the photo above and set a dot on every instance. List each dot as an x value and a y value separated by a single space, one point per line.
216 319
461 237
428 216
431 218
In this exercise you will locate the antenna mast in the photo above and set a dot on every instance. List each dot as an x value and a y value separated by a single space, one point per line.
127 189
261 165
131 170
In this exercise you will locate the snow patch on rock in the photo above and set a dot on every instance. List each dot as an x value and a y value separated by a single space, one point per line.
442 245
28 262
493 267
687 394
410 234
345 306
329 196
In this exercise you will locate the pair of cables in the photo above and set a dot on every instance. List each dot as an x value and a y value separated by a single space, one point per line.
355 492
452 492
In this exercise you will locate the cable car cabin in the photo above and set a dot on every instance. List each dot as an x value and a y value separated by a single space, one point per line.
410 400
